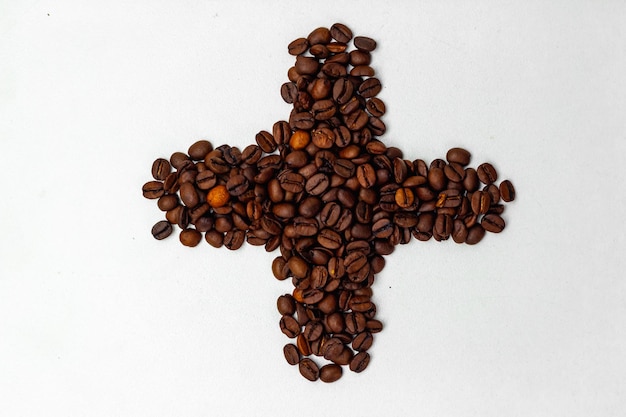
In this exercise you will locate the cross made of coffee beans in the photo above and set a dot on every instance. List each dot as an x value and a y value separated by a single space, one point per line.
325 191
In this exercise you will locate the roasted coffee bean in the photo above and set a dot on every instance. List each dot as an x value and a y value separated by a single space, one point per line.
189 195
302 120
292 355
199 150
161 168
459 231
190 237
507 191
317 184
459 155
153 190
286 305
309 369
366 175
494 193
362 341
298 46
475 234
370 87
480 202
289 326
341 33
161 230
233 239
359 362
364 43
492 223
486 173
266 141
289 92
330 373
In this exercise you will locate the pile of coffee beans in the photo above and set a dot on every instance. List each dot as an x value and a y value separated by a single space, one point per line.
324 190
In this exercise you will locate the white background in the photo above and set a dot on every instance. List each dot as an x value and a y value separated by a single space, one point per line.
99 319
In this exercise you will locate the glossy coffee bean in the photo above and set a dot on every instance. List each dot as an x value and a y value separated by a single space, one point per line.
309 369
292 355
507 191
330 373
161 230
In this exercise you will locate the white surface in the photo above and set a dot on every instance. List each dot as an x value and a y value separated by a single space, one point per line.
99 319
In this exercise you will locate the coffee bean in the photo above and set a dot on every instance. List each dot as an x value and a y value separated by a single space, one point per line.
486 173
359 362
475 234
309 369
507 191
289 326
153 189
364 43
291 354
298 46
340 32
161 230
458 155
266 141
161 169
492 223
370 87
200 149
190 237
480 202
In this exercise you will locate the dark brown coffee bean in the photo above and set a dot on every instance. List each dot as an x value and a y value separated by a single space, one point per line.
298 46
486 173
342 91
309 207
289 92
214 238
206 180
340 32
362 341
458 155
161 230
359 362
480 202
292 355
507 191
199 150
320 35
370 87
364 43
289 326
366 175
309 369
494 193
161 168
330 372
306 65
492 223
190 237
356 120
475 234
323 110
179 159
286 304
302 120
313 330
329 239
374 326
234 239
323 138
317 184
454 172
153 190
266 141
437 179
459 231
167 202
